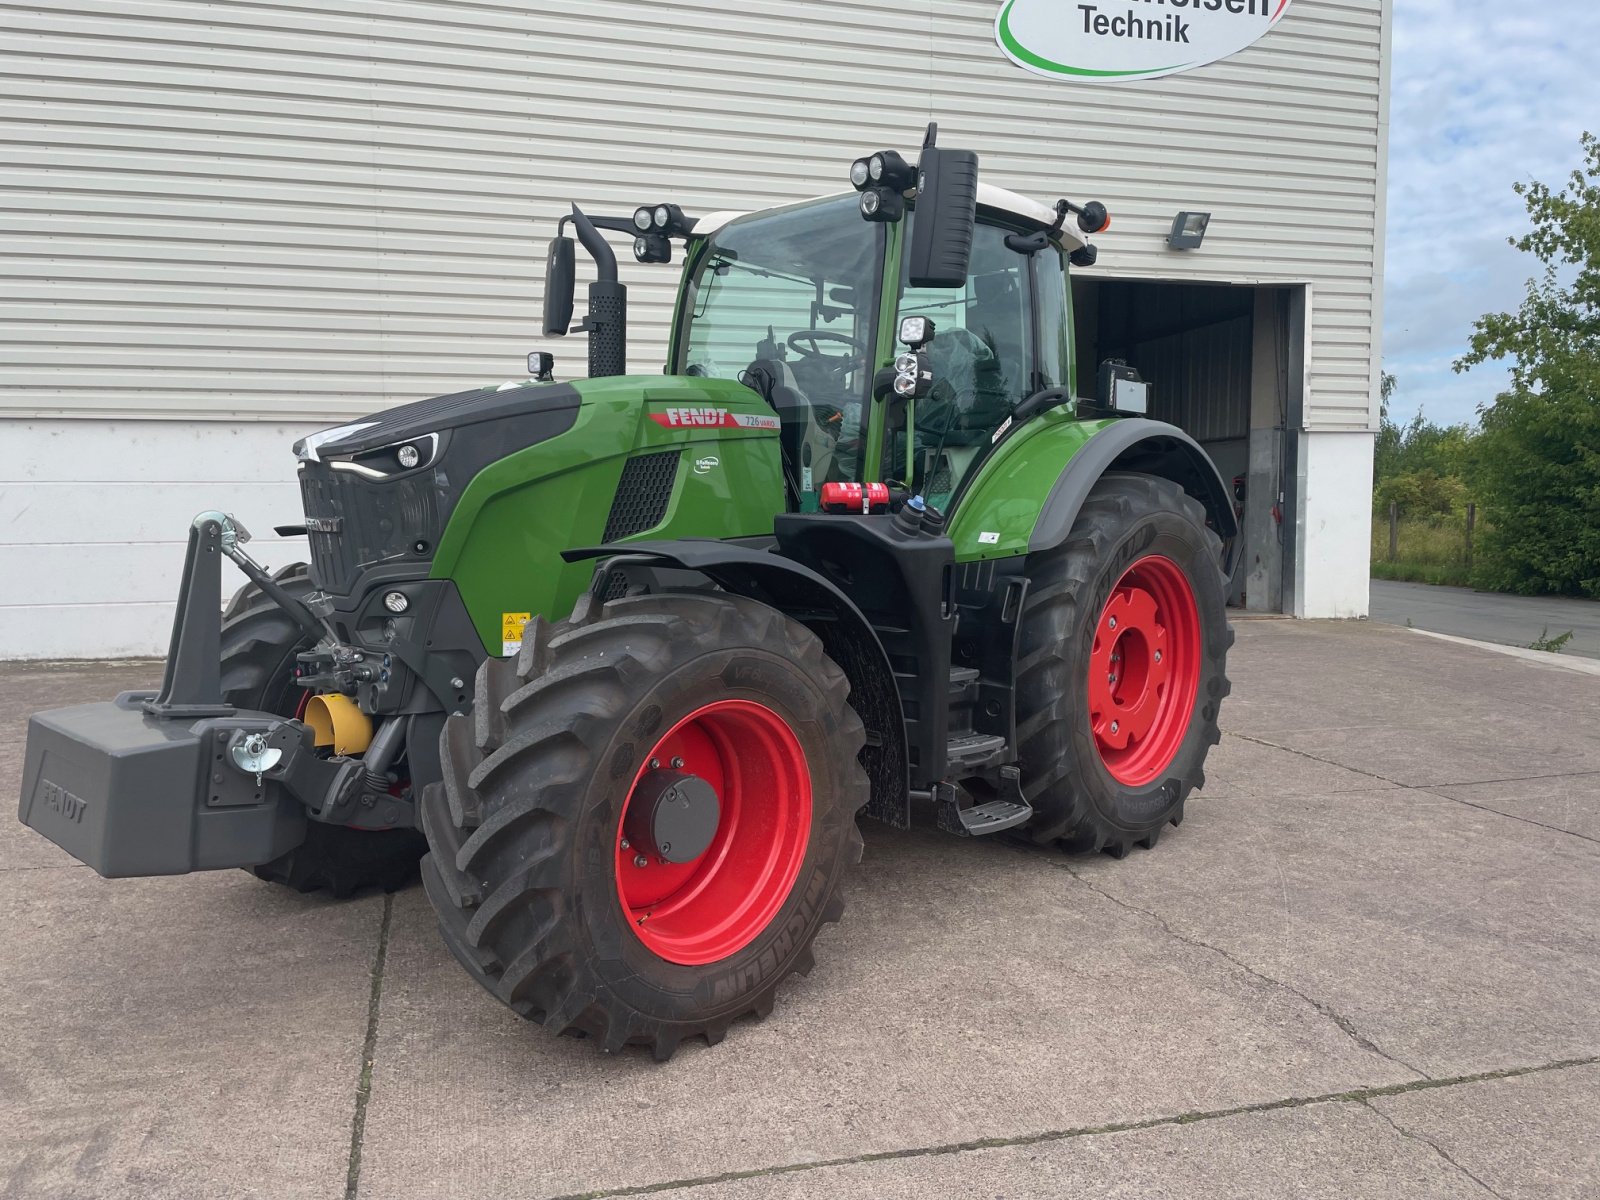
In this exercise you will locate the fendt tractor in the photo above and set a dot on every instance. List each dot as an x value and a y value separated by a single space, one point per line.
621 661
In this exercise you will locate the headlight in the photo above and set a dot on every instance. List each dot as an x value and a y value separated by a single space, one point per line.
871 202
408 456
905 385
906 364
663 216
860 173
875 168
396 602
642 218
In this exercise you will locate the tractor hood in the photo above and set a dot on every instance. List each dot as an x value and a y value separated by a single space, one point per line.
427 418
380 491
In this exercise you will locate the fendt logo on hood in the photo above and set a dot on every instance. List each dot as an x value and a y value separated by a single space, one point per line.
1112 41
711 418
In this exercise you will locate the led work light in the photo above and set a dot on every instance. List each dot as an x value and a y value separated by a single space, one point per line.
882 204
652 248
665 220
916 332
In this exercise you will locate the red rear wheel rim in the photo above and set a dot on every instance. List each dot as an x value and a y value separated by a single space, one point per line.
1144 671
705 910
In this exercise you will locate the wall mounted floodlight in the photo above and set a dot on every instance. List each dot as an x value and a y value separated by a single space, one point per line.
1189 230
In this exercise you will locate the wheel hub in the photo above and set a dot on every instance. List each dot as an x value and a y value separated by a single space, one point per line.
674 814
713 832
1144 671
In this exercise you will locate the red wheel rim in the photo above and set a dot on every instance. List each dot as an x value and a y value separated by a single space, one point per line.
1144 671
702 911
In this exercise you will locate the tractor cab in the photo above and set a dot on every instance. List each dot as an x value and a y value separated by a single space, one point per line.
789 302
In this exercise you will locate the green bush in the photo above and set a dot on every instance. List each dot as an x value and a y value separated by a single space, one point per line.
1536 469
1432 550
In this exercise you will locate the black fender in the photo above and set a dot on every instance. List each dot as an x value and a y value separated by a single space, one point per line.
815 601
1148 447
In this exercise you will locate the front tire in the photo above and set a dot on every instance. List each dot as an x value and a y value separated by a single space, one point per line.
552 887
1122 667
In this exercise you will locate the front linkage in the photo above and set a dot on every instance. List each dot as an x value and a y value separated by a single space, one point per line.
257 776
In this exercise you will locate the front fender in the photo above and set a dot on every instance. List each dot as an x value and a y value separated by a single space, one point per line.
812 599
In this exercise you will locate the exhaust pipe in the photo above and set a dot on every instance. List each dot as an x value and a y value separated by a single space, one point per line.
607 323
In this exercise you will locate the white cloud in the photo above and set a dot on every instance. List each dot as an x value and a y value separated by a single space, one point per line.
1485 95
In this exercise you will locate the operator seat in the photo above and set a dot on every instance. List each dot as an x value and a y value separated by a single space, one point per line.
806 446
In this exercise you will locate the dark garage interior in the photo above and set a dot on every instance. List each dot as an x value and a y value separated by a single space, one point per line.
1223 366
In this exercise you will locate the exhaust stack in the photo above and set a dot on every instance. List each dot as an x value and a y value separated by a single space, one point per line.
607 322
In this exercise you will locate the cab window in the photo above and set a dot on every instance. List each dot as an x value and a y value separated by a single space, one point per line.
982 355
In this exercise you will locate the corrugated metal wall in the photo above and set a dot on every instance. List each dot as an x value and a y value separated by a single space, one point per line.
306 209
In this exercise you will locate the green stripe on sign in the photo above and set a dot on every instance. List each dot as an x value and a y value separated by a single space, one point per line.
1016 48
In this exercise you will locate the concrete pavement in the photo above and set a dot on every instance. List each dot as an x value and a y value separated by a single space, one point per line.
1367 965
1489 616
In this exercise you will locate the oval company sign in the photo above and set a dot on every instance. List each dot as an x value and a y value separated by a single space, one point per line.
1117 40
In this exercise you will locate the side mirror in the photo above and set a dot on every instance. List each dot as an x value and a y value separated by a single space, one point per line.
947 213
560 281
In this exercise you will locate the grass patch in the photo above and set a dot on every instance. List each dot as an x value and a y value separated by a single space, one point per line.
1415 572
1431 551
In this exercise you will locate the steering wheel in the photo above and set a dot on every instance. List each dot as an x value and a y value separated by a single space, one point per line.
814 337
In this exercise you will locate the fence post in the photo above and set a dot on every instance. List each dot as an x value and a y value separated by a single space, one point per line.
1472 523
1394 530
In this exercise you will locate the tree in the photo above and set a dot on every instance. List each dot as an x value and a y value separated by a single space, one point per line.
1421 466
1537 471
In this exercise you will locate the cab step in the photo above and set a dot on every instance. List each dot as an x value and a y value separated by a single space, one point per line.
959 816
973 751
994 817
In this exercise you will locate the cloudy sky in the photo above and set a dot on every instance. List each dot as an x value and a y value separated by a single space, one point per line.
1486 93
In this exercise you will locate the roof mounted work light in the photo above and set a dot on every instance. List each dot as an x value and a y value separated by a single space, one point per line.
652 248
882 204
888 169
665 220
883 171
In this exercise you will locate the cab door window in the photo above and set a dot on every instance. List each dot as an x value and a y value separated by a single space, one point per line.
982 355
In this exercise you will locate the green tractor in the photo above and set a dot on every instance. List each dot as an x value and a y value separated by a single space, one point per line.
622 661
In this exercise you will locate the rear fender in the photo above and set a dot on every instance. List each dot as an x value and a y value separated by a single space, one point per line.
1028 495
814 601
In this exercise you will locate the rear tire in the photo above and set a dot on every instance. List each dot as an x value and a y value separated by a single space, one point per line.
1122 667
537 895
259 645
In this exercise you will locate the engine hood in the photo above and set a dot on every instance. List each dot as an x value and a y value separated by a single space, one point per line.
379 492
459 410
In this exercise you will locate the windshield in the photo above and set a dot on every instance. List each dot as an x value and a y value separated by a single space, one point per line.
787 303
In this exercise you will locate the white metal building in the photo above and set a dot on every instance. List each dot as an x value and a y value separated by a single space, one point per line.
229 222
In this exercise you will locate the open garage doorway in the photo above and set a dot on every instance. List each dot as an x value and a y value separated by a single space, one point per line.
1225 364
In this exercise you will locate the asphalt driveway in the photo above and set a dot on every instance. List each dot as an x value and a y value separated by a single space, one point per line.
1489 616
1367 965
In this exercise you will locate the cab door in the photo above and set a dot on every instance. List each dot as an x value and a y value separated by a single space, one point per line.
983 355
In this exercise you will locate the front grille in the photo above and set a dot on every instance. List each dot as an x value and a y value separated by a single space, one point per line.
377 522
643 494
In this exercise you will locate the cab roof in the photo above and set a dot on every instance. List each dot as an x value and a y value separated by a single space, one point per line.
995 199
